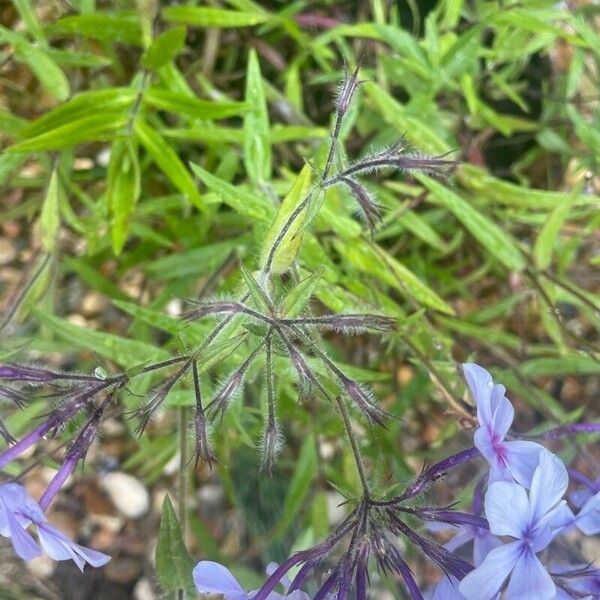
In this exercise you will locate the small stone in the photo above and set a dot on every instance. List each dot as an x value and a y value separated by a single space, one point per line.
143 590
128 494
41 567
8 252
93 304
211 495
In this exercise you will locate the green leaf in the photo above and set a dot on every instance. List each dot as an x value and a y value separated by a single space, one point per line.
493 189
96 127
257 143
123 188
174 565
243 202
197 261
394 113
300 294
258 295
81 106
300 485
213 17
164 48
282 241
373 259
122 351
574 364
30 18
193 107
50 217
499 243
168 162
123 27
45 69
544 243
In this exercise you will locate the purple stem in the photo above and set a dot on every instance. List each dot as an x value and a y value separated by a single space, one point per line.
31 438
561 430
56 417
434 472
58 481
309 555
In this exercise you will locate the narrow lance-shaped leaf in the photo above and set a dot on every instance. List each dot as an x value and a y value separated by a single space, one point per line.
300 294
168 162
191 106
174 565
257 142
544 244
45 69
494 239
376 261
282 242
164 48
123 189
213 17
50 217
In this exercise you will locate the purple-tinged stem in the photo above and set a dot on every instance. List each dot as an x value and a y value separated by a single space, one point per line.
31 438
429 475
12 372
56 417
74 455
305 556
561 430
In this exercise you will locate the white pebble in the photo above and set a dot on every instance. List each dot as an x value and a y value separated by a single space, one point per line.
128 494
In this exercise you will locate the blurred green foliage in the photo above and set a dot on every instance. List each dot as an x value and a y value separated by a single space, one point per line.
167 137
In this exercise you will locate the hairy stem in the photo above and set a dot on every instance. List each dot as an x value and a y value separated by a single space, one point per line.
360 466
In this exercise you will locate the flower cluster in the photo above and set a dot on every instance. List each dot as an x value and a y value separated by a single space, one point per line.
516 527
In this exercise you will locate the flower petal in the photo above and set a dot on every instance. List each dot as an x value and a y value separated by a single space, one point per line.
483 543
503 412
22 541
480 383
485 582
588 518
522 458
447 589
20 503
530 581
59 547
212 578
503 520
460 539
548 485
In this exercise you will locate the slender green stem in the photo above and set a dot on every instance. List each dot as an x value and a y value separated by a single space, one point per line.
360 466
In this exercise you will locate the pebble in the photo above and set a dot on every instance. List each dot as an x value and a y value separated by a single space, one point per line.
128 494
41 567
143 590
93 304
8 252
